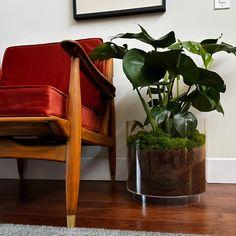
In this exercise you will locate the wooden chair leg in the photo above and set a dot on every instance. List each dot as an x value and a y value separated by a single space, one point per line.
112 162
20 167
72 183
73 154
112 150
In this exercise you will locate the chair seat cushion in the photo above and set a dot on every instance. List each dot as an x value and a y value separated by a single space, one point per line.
41 100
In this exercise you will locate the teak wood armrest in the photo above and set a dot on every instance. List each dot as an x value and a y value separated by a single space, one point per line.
75 50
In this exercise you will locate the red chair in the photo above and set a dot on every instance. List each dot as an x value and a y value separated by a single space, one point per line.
53 100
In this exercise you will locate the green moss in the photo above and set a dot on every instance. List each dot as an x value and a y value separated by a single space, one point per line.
161 141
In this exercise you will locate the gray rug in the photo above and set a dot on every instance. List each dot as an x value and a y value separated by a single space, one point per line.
33 230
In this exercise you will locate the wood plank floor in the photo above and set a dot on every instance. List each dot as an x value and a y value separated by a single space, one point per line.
107 205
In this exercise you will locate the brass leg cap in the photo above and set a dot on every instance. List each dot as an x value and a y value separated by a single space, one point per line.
71 219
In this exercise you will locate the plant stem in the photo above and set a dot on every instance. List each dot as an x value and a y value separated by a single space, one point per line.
147 111
150 95
186 107
178 79
159 95
170 87
166 93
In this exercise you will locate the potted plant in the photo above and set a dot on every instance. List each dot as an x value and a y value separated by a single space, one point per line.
168 158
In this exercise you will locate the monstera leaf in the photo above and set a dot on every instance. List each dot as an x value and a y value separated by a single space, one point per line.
211 79
106 51
173 61
206 100
213 48
133 63
138 71
143 36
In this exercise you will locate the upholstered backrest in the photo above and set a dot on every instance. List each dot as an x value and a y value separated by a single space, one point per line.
47 64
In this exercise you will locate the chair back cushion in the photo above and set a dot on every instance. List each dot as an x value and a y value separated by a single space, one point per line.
48 64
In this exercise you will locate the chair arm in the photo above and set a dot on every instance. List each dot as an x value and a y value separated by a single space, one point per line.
75 50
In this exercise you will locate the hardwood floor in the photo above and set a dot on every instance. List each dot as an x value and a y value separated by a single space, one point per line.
107 205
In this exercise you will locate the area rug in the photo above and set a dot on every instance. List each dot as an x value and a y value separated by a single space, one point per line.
33 230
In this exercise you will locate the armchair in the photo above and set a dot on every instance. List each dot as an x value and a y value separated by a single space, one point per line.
51 102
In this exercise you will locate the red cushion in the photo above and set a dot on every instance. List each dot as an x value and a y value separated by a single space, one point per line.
32 101
41 101
48 64
90 120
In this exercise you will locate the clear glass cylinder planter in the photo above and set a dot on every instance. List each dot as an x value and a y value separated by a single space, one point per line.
170 174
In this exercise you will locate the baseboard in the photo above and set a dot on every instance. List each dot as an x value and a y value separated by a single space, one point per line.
219 170
92 168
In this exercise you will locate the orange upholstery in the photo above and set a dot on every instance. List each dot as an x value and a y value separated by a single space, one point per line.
90 120
24 101
54 95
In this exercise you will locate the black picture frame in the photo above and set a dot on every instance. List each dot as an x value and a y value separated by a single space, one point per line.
123 12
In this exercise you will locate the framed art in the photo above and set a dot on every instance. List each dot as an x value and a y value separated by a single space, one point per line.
89 9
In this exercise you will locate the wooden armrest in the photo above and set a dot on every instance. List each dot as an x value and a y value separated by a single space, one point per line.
75 50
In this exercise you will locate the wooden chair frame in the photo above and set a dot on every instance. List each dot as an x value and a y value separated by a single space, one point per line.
70 129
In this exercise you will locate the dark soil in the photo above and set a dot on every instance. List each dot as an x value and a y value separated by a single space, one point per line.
169 173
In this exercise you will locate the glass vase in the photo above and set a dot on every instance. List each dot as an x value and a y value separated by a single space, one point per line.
169 175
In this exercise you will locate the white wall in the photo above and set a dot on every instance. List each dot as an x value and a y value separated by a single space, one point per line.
30 21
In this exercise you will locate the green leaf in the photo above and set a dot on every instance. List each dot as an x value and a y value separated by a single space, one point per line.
210 41
214 96
165 41
204 100
133 63
173 107
162 61
195 48
181 97
211 79
137 69
143 36
192 47
106 51
136 124
223 47
185 124
175 62
188 69
159 114
219 108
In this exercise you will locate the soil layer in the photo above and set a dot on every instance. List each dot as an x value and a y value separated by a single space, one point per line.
170 173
